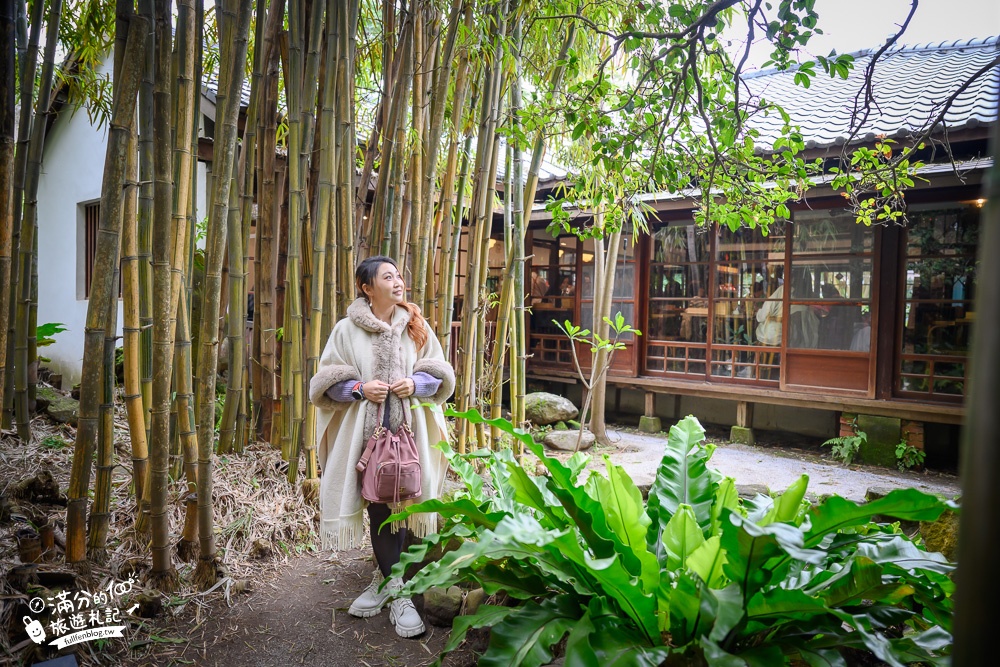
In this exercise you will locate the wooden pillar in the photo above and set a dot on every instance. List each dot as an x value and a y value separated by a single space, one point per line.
742 433
744 414
649 422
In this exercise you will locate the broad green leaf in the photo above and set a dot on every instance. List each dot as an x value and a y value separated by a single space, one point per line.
726 497
851 584
485 617
836 513
715 656
681 537
751 548
627 519
778 603
707 561
526 636
787 506
899 552
601 639
682 477
692 609
472 480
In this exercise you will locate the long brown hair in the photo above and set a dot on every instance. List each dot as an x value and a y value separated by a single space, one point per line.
366 273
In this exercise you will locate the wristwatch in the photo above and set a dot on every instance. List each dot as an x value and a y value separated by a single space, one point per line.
358 391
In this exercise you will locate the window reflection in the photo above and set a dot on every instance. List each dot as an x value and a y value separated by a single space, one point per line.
939 293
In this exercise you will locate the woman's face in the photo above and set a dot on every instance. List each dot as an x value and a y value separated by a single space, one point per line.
386 288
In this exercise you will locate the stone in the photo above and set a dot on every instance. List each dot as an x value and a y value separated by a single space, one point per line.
941 535
883 434
566 440
62 409
741 435
752 490
473 599
542 408
441 605
560 426
650 424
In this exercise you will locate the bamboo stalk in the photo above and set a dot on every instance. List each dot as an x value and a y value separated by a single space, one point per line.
7 151
265 321
101 512
234 30
29 223
102 291
239 222
423 272
162 575
27 68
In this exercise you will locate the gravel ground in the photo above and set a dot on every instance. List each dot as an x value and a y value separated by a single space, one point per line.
774 468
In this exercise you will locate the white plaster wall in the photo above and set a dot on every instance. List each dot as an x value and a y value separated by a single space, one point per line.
72 169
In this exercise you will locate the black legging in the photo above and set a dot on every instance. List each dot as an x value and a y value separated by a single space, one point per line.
386 544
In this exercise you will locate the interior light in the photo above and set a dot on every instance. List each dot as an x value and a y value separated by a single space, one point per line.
980 202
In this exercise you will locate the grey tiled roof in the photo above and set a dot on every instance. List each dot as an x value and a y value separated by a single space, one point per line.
910 84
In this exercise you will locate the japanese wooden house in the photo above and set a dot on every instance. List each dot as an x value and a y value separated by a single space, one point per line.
820 318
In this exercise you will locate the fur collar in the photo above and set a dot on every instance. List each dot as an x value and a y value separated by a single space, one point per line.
361 314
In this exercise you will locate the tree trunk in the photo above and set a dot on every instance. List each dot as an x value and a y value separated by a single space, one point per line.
103 292
603 299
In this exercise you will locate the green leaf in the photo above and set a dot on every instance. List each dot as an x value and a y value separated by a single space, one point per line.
681 537
485 617
707 561
682 478
600 639
627 519
836 513
726 497
525 637
472 480
787 506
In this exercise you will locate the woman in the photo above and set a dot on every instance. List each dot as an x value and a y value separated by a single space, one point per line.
382 354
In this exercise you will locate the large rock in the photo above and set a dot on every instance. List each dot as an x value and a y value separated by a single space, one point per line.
542 408
441 605
941 535
566 440
62 409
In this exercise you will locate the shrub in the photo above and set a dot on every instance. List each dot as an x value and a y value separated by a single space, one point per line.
694 574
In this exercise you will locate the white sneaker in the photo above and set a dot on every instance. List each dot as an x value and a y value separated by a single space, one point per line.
371 601
403 614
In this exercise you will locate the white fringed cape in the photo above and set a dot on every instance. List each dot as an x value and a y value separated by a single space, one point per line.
363 347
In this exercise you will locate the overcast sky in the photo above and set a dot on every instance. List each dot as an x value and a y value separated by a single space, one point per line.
852 25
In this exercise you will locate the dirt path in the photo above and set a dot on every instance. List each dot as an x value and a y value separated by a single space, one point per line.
300 618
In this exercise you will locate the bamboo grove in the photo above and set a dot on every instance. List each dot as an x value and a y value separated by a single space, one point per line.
435 88
341 129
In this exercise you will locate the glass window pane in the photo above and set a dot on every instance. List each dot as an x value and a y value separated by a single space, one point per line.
830 231
834 279
680 244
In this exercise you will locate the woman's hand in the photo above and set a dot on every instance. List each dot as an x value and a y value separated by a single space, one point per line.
403 388
376 391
